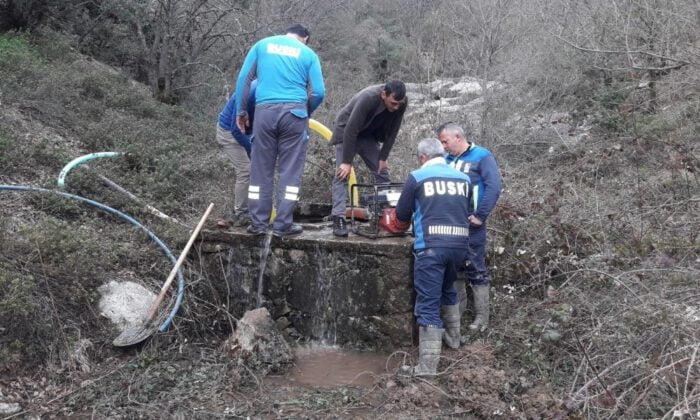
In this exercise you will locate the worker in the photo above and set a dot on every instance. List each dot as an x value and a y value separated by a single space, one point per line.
366 126
480 164
290 87
437 196
236 145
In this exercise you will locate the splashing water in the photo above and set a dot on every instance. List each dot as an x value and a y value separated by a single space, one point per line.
264 253
324 322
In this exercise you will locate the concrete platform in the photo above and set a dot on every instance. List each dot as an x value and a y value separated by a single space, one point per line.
353 291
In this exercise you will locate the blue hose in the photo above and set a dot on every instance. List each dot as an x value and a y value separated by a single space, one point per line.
181 281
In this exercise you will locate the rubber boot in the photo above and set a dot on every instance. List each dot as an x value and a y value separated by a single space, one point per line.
241 219
462 298
429 349
340 227
481 307
450 317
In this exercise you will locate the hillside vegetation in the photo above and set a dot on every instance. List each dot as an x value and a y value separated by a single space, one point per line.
594 246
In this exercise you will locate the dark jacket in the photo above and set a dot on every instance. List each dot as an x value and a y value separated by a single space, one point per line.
366 116
227 118
438 197
480 164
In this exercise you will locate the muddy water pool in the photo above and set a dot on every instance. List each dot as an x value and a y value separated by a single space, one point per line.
328 366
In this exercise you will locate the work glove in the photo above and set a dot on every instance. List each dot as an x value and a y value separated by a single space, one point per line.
391 223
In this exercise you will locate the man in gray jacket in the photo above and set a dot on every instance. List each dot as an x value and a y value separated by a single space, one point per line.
366 126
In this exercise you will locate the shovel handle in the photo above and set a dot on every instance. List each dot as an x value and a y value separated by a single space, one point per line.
176 267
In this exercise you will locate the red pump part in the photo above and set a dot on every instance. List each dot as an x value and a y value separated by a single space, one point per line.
390 223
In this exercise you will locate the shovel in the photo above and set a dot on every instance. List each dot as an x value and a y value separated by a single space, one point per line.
137 334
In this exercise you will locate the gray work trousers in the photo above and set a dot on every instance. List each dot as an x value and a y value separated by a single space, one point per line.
368 149
241 168
280 138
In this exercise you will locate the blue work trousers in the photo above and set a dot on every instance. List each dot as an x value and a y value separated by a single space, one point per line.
280 138
434 272
476 270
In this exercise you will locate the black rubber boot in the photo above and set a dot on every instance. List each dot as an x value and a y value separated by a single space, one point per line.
241 220
340 227
294 229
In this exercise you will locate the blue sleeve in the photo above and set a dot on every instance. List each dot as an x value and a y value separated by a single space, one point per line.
241 138
245 78
318 89
404 208
491 178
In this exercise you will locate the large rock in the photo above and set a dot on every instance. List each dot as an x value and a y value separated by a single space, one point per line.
258 344
125 303
7 409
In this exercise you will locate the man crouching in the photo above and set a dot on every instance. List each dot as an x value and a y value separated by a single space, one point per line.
436 195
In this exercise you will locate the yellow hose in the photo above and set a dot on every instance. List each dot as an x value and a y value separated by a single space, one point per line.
327 134
320 129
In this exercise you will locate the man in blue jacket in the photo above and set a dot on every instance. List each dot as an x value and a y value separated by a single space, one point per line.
437 196
236 145
287 70
480 164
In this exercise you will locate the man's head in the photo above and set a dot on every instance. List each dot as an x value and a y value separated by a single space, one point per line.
300 32
452 137
394 95
428 149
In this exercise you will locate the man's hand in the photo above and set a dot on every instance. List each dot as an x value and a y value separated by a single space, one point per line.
242 122
383 166
343 171
474 220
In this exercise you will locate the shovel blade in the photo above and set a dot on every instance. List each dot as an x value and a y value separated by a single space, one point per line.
134 335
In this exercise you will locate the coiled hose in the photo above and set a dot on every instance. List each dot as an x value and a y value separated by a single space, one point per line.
180 279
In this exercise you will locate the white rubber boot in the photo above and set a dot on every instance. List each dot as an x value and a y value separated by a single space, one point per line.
451 315
462 298
429 350
481 307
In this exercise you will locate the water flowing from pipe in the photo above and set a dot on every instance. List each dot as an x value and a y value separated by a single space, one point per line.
264 253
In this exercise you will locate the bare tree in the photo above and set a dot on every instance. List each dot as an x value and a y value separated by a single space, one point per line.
487 29
175 35
649 38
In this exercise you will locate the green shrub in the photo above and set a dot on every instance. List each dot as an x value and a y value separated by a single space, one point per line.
16 53
7 149
652 126
21 319
93 87
48 154
606 109
16 300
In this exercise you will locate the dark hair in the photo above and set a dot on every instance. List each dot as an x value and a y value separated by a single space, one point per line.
299 30
396 88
